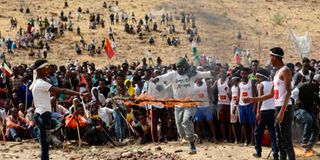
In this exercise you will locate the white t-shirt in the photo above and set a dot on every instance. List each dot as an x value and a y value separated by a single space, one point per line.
182 85
41 96
105 114
151 90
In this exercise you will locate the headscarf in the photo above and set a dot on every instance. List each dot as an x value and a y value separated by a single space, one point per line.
183 62
130 88
38 65
101 98
190 70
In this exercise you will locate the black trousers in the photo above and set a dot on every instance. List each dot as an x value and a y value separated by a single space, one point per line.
156 114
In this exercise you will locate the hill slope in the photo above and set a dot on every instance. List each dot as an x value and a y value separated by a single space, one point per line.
218 21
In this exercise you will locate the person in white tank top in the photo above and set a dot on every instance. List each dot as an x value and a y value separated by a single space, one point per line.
265 115
203 112
281 92
223 88
200 91
246 110
234 105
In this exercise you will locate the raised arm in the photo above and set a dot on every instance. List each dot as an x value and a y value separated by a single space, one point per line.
68 91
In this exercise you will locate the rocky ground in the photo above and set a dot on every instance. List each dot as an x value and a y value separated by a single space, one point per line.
172 151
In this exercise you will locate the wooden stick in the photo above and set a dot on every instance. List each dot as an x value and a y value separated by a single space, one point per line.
84 108
269 153
110 139
3 136
26 101
78 131
130 126
155 100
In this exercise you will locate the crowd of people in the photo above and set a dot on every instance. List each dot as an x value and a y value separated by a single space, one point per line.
40 31
230 112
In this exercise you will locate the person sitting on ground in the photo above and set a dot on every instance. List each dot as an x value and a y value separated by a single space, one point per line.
104 5
78 30
18 127
70 26
57 109
4 110
27 10
155 27
102 23
56 138
96 130
131 29
127 28
78 49
143 129
73 122
151 40
140 35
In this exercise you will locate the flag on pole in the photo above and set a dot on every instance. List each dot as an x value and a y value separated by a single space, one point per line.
6 69
108 48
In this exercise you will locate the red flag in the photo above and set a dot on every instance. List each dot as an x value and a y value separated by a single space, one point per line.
108 48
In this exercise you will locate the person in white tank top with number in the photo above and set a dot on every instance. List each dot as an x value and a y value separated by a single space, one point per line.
246 110
203 112
222 86
265 115
281 93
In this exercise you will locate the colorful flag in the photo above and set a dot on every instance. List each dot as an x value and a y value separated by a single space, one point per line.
6 69
108 48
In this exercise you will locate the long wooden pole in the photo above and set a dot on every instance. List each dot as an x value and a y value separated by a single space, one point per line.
154 100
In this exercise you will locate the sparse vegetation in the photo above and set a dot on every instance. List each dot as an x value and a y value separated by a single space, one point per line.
279 18
225 14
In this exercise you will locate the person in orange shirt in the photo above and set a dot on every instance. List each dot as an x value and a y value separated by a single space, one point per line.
72 121
18 128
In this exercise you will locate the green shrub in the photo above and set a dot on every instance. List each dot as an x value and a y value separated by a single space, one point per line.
279 18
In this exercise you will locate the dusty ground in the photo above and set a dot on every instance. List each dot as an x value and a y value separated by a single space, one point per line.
219 22
227 151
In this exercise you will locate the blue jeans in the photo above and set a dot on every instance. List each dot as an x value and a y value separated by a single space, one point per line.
119 123
284 134
310 126
267 119
43 122
14 134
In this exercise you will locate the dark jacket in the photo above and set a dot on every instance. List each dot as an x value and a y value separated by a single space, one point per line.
308 97
298 77
94 135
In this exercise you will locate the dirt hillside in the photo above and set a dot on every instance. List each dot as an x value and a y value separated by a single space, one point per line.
218 21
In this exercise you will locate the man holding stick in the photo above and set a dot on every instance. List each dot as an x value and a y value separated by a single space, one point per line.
183 81
41 89
281 91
